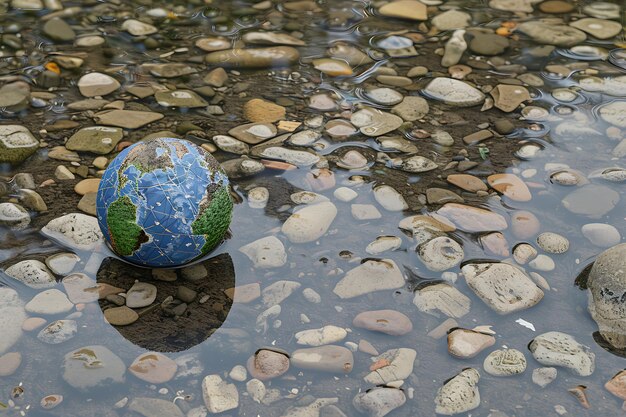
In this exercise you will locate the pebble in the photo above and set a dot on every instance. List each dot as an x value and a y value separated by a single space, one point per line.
9 363
51 401
560 349
96 139
473 219
542 263
238 373
153 367
258 197
75 231
141 294
154 407
345 194
440 253
120 316
62 263
32 273
524 224
16 144
511 186
80 288
309 223
616 385
465 344
467 182
328 358
392 365
267 252
459 394
58 331
505 362
454 92
372 275
266 364
544 376
33 323
502 287
442 298
598 28
552 34
262 111
256 389
454 49
417 164
97 84
276 56
379 402
523 253
104 367
49 302
138 28
389 198
390 322
405 9
12 316
383 244
601 234
278 291
14 216
332 67
311 296
323 336
553 242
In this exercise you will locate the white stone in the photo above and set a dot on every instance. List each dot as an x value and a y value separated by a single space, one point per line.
14 216
323 336
75 230
11 317
267 252
542 263
278 291
32 273
345 194
258 197
459 394
238 373
440 253
97 84
58 331
309 223
401 362
365 212
601 234
444 298
383 244
256 389
62 263
544 376
299 158
560 349
454 92
219 396
137 28
141 294
390 199
49 302
372 275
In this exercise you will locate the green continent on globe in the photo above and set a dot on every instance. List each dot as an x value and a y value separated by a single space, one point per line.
213 218
126 236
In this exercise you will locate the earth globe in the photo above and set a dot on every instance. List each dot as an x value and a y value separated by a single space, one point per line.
163 203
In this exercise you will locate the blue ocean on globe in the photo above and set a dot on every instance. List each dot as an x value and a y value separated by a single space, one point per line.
163 203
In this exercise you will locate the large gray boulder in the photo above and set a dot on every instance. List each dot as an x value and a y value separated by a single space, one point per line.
607 295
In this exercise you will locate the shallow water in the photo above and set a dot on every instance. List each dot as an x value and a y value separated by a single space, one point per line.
569 132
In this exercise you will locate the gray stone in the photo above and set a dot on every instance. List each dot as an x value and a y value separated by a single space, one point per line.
92 367
179 98
57 30
454 92
459 394
560 349
544 376
552 34
96 139
309 223
155 407
219 396
379 401
591 200
14 216
141 294
444 298
12 315
97 84
372 275
16 144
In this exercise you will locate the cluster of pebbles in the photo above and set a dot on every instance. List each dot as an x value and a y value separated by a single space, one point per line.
419 183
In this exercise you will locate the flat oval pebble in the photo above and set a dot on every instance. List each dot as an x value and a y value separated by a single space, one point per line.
267 364
553 242
58 331
120 316
153 367
391 322
505 362
141 294
329 358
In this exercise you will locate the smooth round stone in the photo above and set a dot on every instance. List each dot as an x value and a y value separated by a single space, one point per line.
345 194
405 9
9 362
464 343
309 223
385 96
323 102
523 253
551 34
58 332
614 113
467 182
553 242
390 199
602 10
62 263
417 163
97 84
92 367
49 302
505 362
323 336
230 144
454 92
556 6
14 216
472 219
459 394
598 28
601 234
329 358
258 197
138 28
267 252
511 186
179 98
617 385
141 294
524 224
120 316
90 41
33 323
560 349
441 253
379 401
263 111
213 44
542 263
89 185
352 160
544 376
411 108
332 67
266 364
383 244
277 56
390 322
488 44
57 30
80 288
153 367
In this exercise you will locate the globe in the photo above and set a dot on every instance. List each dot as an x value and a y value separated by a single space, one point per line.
163 203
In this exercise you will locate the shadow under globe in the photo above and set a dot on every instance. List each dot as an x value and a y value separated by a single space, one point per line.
169 323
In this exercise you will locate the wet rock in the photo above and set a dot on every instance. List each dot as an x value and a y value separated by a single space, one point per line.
511 186
14 216
128 119
454 92
141 294
560 349
261 111
179 98
278 291
373 122
451 19
57 30
442 196
465 343
271 38
365 212
390 322
298 158
454 49
405 9
92 367
467 182
508 97
16 144
411 108
616 385
591 200
267 252
328 358
277 56
607 286
120 316
553 242
332 67
219 396
9 363
383 244
417 164
502 287
440 253
552 34
58 331
97 84
256 389
505 362
544 376
253 133
524 224
598 28
370 276
379 402
614 113
11 317
459 394
523 253
389 198
393 365
323 336
385 96
349 53
309 223
602 10
96 139
153 367
154 407
424 228
138 28
442 297
601 234
266 364
487 44
473 219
